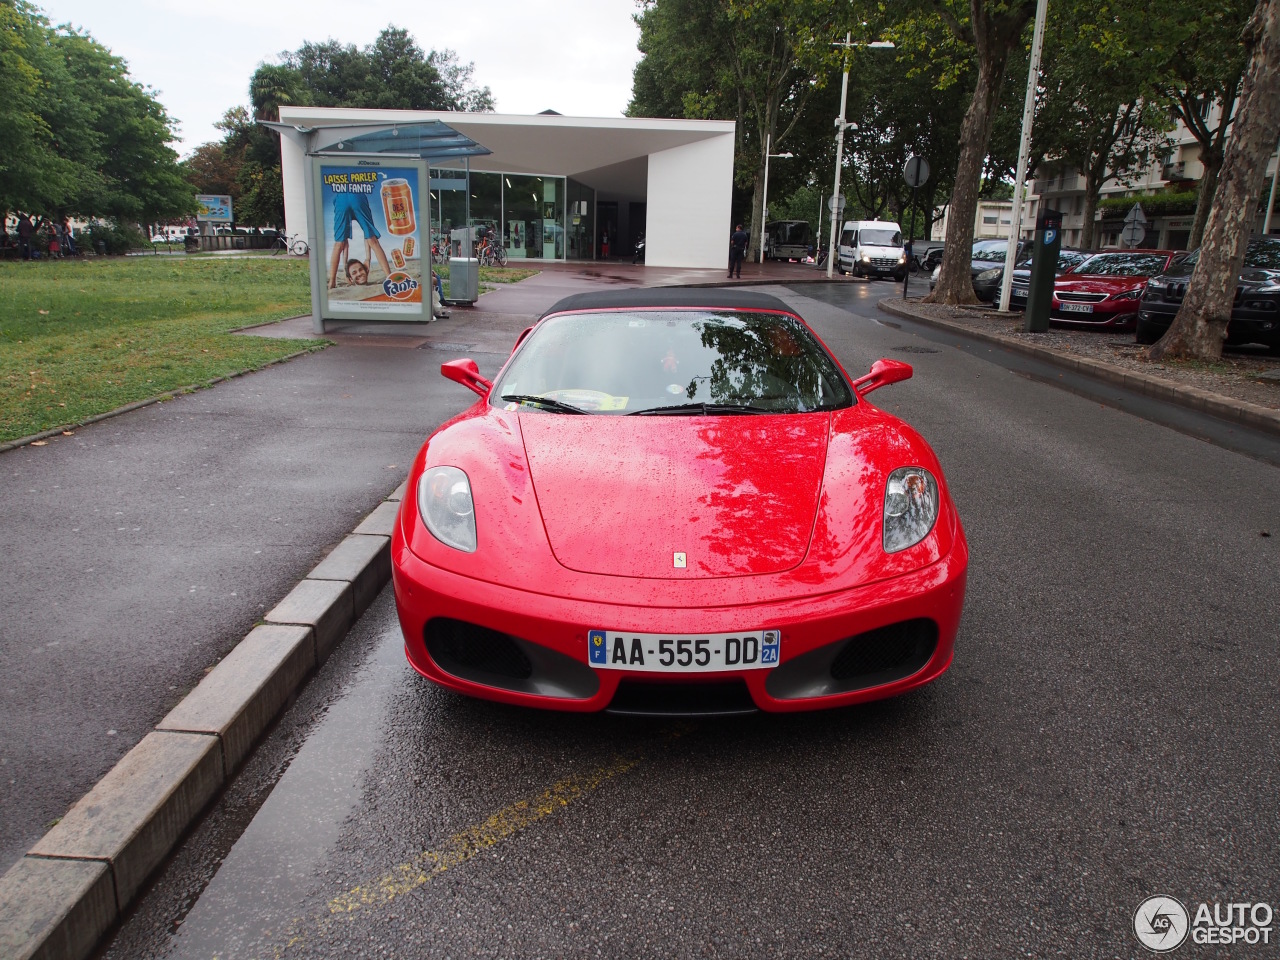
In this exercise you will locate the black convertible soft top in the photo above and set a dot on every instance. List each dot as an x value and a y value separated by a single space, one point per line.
639 298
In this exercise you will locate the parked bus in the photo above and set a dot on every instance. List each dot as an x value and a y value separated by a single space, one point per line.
787 239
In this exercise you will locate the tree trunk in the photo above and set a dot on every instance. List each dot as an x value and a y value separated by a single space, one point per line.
955 280
753 229
1087 239
1200 327
1212 161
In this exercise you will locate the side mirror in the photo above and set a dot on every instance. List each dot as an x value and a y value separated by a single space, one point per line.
883 372
467 373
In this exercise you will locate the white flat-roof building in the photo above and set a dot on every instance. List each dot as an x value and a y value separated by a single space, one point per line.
558 188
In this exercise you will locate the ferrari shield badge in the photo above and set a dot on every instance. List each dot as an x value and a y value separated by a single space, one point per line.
679 561
596 647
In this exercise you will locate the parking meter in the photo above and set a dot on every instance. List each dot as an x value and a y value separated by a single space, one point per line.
1044 266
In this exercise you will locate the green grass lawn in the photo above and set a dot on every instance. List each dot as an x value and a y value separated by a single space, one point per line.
83 337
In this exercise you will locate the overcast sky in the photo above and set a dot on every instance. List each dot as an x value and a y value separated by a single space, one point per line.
572 56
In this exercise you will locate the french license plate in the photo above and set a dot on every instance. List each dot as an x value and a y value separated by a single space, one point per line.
683 653
1077 308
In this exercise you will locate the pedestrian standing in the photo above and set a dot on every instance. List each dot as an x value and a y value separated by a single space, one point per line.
25 232
737 251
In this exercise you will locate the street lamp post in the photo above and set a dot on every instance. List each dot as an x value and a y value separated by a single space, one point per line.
764 201
1024 150
841 126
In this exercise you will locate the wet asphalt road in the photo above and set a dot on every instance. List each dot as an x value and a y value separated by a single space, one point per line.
1108 732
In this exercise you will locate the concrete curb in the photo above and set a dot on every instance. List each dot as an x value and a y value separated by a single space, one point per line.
1225 408
59 900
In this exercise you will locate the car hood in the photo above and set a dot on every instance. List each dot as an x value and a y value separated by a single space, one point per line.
1107 285
1256 275
736 495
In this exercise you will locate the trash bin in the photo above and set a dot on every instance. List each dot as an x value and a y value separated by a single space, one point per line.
464 280
101 247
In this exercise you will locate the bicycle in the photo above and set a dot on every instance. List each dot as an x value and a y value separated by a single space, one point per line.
491 254
294 245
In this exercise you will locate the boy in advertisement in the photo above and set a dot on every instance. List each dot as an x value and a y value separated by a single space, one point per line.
346 208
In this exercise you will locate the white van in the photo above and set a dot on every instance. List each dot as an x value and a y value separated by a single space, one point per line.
871 248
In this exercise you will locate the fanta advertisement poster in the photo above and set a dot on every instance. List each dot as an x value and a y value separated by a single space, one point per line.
372 243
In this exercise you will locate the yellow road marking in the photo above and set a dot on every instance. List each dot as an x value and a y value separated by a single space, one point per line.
475 839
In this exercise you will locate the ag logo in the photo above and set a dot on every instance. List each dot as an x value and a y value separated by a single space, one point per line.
399 286
1160 924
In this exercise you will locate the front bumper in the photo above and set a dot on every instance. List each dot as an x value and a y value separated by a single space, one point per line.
1121 316
548 636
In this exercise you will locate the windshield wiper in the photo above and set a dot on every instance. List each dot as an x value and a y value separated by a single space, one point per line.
550 404
703 408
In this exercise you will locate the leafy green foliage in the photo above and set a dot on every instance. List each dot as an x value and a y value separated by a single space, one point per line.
81 137
116 238
392 73
1159 205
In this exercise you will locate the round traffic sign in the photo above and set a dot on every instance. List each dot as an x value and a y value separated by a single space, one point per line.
916 171
835 204
1133 233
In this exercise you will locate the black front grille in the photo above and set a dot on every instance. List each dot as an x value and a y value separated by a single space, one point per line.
460 647
697 699
888 650
1069 296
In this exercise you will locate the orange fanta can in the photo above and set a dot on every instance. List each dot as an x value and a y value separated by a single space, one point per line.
397 207
408 247
397 258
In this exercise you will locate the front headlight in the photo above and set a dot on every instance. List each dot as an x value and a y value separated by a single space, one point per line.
1129 295
1271 286
910 507
444 501
902 258
986 276
866 258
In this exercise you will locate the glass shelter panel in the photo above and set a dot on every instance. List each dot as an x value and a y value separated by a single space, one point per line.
580 222
486 200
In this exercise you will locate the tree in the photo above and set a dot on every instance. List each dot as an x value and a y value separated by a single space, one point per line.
33 175
392 73
81 137
1198 330
1100 109
991 29
757 62
1202 70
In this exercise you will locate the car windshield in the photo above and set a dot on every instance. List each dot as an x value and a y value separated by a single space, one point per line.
1263 252
672 361
990 250
879 238
1124 265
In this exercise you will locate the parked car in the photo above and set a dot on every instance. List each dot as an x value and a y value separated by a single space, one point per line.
600 530
1068 260
985 256
1104 292
1255 316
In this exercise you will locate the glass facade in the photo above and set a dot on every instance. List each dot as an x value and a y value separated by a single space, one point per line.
537 218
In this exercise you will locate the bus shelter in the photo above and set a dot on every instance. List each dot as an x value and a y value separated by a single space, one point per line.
368 203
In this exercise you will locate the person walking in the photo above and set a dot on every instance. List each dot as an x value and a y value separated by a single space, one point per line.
26 230
737 251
